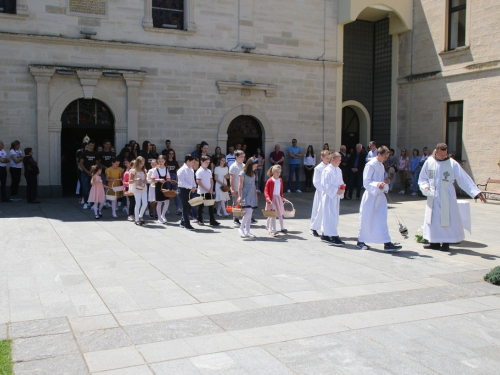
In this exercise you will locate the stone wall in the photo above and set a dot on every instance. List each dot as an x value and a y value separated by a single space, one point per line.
430 78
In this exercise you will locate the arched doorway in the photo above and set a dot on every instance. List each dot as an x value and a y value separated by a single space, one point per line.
350 128
245 130
82 117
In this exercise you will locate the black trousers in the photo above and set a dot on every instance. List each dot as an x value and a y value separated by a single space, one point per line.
131 208
15 176
186 208
3 183
31 187
356 180
309 177
210 209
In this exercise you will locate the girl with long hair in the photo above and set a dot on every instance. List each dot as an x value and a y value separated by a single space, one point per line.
247 195
274 199
309 164
138 179
221 197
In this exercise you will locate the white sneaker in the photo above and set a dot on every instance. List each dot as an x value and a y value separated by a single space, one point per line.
413 194
288 191
251 235
402 192
298 191
85 206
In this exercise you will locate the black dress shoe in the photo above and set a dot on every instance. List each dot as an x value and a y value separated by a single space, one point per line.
215 223
200 222
432 246
445 247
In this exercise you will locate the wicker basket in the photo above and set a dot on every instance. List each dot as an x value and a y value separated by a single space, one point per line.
209 202
112 197
291 213
196 201
168 193
225 188
269 213
238 212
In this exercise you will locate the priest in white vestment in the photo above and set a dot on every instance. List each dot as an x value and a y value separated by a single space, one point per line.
442 223
333 189
316 213
373 209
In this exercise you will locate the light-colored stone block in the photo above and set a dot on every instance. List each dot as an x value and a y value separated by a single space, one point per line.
113 359
92 323
166 350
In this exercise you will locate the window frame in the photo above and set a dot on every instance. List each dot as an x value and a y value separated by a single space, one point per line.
451 11
450 119
189 24
20 12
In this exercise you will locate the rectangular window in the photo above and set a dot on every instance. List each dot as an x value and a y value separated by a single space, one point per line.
454 127
168 14
8 6
456 23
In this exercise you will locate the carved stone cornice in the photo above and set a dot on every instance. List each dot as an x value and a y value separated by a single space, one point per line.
269 90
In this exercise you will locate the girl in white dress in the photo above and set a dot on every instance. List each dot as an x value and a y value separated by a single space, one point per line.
221 197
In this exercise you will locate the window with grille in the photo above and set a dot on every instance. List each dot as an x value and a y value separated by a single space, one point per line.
457 23
168 14
8 6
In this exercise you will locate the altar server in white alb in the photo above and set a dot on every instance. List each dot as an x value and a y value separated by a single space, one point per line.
316 214
373 209
442 224
333 190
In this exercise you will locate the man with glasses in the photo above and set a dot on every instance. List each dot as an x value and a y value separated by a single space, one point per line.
442 223
295 154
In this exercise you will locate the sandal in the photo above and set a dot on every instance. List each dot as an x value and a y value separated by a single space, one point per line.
137 223
97 217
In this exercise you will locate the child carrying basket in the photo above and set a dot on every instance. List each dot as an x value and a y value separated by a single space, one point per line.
274 200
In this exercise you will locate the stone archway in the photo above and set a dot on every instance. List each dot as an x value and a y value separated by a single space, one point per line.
55 125
364 120
247 110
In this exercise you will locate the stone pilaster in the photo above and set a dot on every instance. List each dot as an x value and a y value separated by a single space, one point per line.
133 81
42 78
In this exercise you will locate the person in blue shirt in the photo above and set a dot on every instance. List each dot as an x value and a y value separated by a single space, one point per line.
295 154
414 169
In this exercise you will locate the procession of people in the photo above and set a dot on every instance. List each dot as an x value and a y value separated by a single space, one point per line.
143 182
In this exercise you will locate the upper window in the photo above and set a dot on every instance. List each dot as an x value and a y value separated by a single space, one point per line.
456 23
8 6
168 14
454 127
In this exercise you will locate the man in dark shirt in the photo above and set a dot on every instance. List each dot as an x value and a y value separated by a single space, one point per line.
87 160
357 165
31 172
277 157
344 165
167 148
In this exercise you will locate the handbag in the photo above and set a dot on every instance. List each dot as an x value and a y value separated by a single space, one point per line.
140 185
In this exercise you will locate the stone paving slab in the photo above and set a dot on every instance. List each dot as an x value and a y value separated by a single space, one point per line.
94 297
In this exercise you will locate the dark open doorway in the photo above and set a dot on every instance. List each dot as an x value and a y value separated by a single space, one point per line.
350 128
82 118
245 130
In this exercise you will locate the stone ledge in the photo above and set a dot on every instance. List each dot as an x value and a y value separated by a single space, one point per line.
17 17
149 28
457 52
269 90
166 48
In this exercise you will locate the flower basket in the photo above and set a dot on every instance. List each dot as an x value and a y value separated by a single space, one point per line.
238 211
269 213
229 209
111 192
209 202
196 201
168 193
289 213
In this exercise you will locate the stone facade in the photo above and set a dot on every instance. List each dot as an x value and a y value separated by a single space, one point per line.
430 77
186 85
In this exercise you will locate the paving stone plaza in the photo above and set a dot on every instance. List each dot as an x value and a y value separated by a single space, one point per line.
80 296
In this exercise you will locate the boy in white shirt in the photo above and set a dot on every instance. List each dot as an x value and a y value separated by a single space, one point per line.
206 189
316 214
